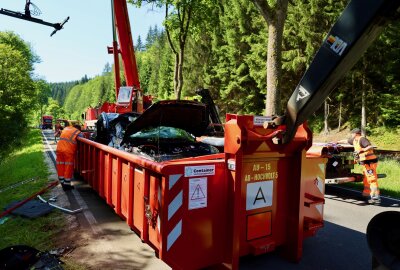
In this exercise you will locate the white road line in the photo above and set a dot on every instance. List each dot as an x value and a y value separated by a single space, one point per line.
86 212
82 204
48 146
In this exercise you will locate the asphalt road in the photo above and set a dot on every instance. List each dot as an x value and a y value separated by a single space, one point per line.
341 244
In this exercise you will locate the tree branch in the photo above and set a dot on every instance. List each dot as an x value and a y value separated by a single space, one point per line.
181 19
187 23
167 31
179 14
264 9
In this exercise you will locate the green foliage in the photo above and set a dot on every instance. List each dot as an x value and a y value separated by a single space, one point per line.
306 26
93 93
316 123
43 92
390 185
17 90
60 90
17 44
139 46
237 65
385 138
55 110
226 50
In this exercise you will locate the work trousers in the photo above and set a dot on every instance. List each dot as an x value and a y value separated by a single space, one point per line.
370 181
65 165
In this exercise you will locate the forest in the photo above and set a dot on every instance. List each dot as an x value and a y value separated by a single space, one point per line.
223 46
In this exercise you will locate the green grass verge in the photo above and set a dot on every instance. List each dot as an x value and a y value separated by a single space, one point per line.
385 138
390 185
25 163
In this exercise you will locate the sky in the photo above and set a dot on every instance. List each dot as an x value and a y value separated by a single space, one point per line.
81 47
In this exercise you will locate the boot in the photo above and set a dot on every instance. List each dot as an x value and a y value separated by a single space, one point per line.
66 185
375 200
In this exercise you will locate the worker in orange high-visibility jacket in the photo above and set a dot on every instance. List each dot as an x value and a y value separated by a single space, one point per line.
66 149
364 155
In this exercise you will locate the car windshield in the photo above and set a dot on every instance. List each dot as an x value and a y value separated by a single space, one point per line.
163 132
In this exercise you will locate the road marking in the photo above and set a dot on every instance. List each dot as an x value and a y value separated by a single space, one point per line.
82 204
48 145
86 212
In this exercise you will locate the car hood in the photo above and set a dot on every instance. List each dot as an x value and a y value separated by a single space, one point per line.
190 116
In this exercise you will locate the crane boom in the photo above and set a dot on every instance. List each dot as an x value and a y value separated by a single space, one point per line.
126 49
359 25
125 42
28 17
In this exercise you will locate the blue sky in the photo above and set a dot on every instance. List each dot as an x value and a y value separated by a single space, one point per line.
81 47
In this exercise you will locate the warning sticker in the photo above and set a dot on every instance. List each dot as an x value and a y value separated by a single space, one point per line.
259 194
197 193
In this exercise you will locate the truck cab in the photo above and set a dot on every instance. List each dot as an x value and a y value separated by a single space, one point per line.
47 122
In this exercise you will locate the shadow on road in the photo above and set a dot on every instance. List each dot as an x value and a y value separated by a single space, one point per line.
334 247
347 195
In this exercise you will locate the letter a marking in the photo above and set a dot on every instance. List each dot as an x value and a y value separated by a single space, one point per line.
262 197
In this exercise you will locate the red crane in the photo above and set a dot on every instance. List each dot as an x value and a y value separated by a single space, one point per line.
125 48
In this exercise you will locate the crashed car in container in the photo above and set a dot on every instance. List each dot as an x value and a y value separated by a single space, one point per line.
166 143
166 130
110 128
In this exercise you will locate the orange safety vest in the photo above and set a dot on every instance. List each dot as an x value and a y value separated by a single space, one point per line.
368 155
67 142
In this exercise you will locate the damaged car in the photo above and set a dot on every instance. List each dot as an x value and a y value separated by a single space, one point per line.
167 130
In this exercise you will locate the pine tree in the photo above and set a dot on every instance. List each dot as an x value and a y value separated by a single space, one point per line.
234 74
139 45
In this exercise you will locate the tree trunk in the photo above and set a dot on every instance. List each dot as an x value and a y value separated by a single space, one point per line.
178 90
176 79
41 115
184 18
275 18
363 112
326 114
340 115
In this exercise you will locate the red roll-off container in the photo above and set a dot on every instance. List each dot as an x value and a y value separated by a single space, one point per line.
211 210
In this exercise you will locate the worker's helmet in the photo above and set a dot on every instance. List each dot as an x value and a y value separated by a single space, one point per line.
356 131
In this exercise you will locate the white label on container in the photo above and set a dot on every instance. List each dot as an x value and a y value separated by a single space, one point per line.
199 170
259 120
259 195
197 193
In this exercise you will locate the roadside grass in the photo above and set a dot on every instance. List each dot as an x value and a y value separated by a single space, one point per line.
385 138
25 163
381 137
390 185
